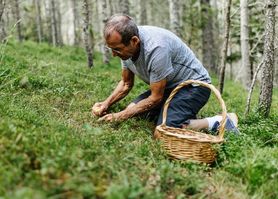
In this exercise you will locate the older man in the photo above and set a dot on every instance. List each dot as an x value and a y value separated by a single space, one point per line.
162 60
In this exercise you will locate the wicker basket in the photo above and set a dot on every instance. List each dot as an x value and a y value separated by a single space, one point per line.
187 144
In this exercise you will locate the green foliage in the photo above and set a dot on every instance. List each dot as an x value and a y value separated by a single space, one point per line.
51 146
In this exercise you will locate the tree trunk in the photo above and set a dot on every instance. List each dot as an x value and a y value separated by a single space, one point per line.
208 48
54 29
38 20
244 43
47 11
2 29
225 47
111 8
191 18
174 17
265 98
124 5
18 20
216 33
143 12
105 51
86 30
75 22
59 24
2 7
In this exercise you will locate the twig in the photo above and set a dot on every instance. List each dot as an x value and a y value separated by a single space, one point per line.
235 12
259 40
2 47
251 88
256 3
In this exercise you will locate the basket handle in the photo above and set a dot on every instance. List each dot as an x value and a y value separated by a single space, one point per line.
212 88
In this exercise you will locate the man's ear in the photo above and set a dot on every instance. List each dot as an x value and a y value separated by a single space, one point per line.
135 40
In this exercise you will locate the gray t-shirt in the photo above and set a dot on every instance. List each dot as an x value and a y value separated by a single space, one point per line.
164 55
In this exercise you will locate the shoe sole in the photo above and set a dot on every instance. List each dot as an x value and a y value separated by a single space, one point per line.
234 118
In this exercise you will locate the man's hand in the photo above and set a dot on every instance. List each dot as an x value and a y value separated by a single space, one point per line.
112 117
99 109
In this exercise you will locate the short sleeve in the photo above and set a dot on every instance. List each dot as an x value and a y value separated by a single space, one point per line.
160 65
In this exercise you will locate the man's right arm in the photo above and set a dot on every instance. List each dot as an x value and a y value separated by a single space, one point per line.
122 89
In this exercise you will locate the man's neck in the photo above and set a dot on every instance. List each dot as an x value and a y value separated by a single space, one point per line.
136 55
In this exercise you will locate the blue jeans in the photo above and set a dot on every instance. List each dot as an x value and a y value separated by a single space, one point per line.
184 106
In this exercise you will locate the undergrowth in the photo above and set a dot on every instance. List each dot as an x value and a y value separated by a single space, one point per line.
52 147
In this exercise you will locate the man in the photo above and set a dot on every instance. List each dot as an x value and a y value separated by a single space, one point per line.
163 61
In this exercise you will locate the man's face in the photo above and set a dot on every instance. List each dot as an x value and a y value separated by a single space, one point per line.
118 48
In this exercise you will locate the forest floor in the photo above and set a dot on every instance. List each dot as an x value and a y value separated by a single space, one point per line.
52 147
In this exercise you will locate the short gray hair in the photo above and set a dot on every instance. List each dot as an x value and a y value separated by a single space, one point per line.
124 25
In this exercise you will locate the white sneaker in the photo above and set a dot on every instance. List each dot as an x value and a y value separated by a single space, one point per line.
231 124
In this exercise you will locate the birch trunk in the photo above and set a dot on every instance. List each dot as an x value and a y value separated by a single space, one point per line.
124 6
225 47
38 20
143 12
191 19
18 20
207 37
59 23
47 11
86 31
75 22
2 25
54 30
266 88
244 43
174 17
2 7
105 51
111 7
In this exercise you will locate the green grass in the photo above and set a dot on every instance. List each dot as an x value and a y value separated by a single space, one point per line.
51 146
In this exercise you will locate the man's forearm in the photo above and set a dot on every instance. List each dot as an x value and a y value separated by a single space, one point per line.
119 93
142 106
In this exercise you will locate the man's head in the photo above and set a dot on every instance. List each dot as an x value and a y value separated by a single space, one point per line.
121 35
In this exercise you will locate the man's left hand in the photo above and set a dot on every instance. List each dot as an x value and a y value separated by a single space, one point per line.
112 117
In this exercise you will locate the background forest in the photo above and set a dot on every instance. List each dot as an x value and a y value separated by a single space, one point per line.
53 67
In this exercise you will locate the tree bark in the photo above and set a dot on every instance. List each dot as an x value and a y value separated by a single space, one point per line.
2 29
225 47
208 47
105 51
191 19
54 29
59 23
18 20
75 22
2 8
174 17
143 12
38 20
124 6
47 11
86 31
266 88
244 43
110 7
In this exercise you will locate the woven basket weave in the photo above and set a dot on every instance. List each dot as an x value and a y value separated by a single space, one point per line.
187 144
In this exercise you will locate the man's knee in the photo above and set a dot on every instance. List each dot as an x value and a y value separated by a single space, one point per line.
173 123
